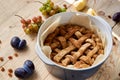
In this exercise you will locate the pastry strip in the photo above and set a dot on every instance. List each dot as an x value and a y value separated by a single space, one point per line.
62 41
100 51
57 50
76 55
51 36
92 52
63 52
87 58
91 41
54 45
81 64
71 31
62 30
78 34
78 43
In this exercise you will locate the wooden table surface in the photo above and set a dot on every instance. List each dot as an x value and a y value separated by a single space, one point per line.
10 26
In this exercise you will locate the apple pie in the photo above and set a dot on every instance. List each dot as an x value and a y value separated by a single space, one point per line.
74 45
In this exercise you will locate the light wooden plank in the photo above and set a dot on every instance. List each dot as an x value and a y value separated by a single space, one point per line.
117 29
8 8
28 9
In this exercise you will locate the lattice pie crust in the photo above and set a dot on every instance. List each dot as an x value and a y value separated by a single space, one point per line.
74 45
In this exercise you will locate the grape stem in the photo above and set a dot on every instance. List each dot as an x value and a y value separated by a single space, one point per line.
19 16
39 2
115 24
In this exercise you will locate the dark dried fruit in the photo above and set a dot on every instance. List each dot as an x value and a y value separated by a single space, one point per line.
15 54
0 41
1 59
119 74
10 57
109 16
10 70
9 74
2 69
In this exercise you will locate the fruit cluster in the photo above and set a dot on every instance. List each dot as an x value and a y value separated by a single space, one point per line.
49 9
26 71
31 26
17 43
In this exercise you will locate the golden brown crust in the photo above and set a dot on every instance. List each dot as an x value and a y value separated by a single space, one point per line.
92 52
62 53
81 64
51 36
74 45
78 43
91 41
78 34
76 55
62 41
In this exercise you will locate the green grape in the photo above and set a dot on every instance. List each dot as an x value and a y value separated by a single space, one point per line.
42 8
56 7
62 10
35 27
48 5
27 30
52 12
48 9
30 27
44 12
51 4
48 1
45 5
34 24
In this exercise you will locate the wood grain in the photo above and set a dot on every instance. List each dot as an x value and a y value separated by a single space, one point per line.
10 26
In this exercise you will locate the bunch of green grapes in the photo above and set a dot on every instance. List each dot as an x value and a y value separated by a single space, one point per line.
49 9
31 25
